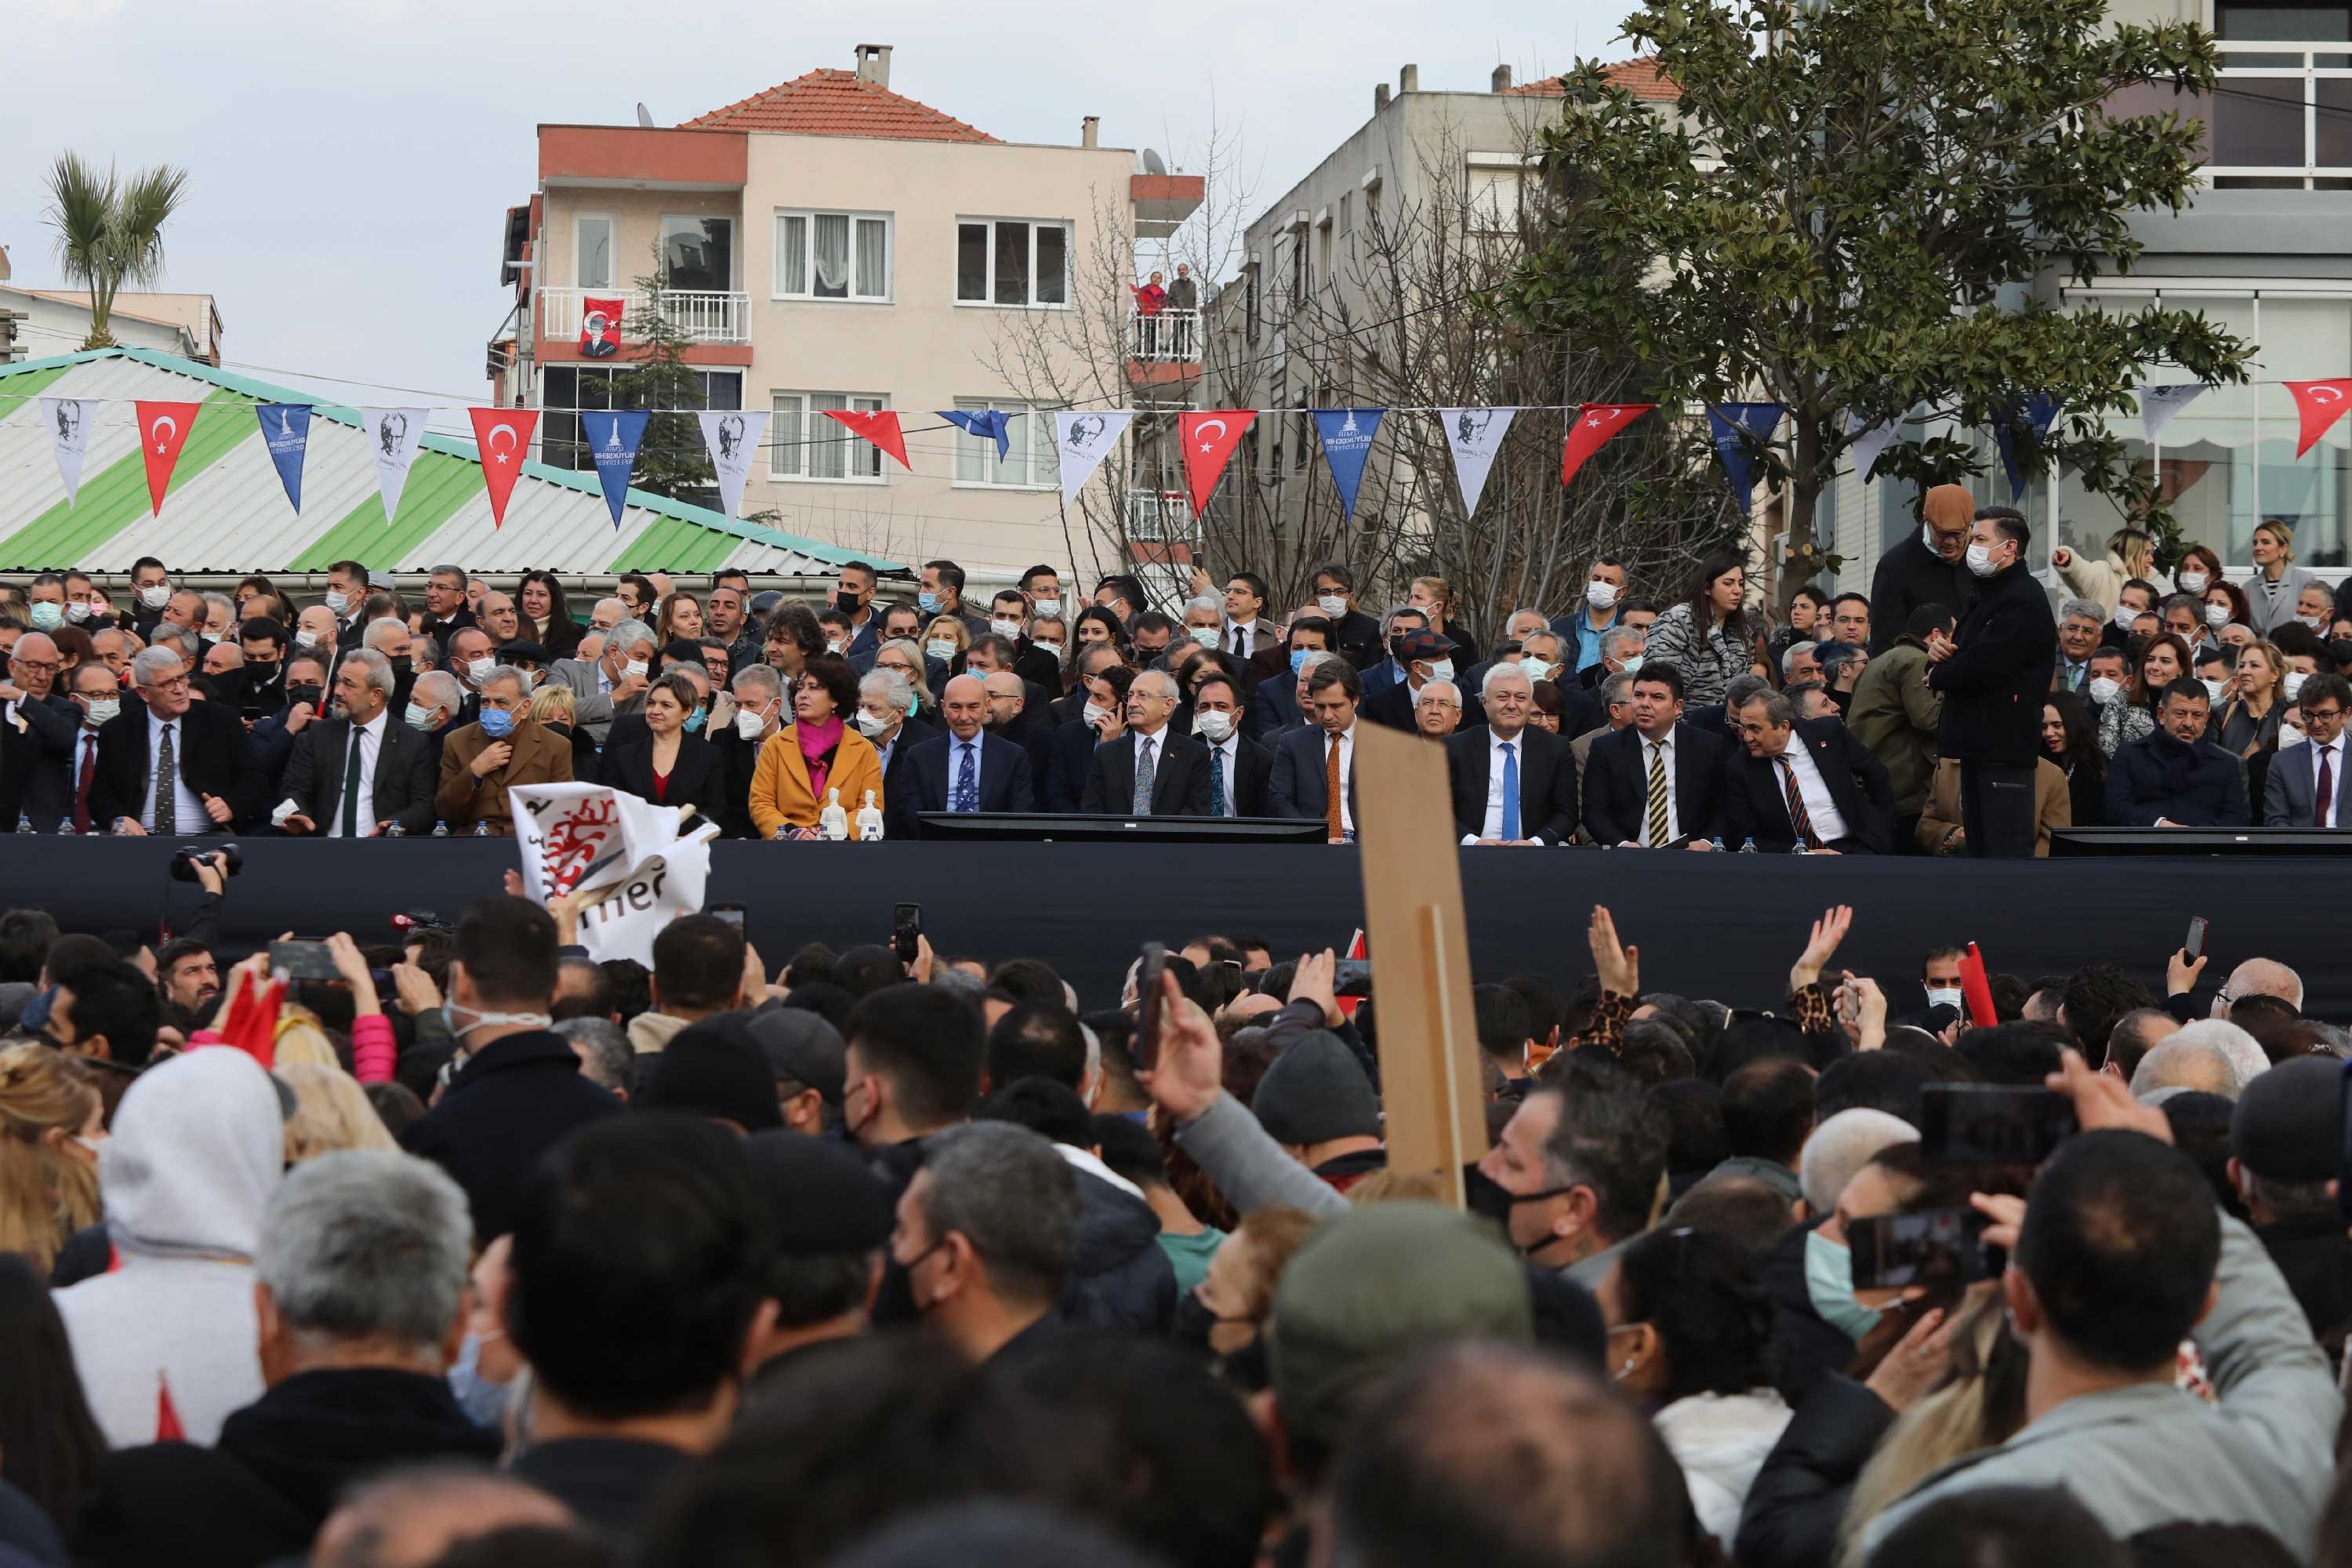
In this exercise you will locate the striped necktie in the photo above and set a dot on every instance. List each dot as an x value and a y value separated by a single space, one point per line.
1799 817
1657 794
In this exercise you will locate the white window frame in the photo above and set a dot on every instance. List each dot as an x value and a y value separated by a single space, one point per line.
612 247
783 451
1069 243
1035 419
808 216
734 245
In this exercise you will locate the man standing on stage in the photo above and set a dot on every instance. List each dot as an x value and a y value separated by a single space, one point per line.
1993 673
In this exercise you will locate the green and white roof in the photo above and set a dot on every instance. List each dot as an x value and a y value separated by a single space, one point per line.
227 511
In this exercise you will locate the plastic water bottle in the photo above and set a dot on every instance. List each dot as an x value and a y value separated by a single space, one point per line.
440 830
394 830
833 823
1718 842
869 821
1748 845
482 829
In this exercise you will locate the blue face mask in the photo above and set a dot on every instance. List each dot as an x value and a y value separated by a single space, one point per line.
497 723
928 601
1298 661
483 1401
693 721
1829 1285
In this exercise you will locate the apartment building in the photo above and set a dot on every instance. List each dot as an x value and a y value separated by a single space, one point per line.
831 243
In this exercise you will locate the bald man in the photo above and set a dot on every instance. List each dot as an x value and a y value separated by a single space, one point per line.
1011 716
37 738
966 771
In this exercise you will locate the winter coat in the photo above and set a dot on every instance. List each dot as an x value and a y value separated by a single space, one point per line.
1119 1278
1908 575
2194 787
2006 646
1708 660
1797 1504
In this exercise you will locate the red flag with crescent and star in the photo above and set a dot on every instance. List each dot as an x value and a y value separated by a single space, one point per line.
600 327
881 429
503 436
2321 404
1596 423
1209 439
162 431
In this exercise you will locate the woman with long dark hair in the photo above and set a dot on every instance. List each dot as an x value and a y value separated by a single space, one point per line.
1706 635
49 1443
546 617
2070 742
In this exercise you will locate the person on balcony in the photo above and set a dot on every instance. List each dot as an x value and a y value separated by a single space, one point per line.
1149 302
1183 309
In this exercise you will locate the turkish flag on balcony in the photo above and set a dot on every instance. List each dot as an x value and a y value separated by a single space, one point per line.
600 327
1596 423
503 436
1209 441
881 429
2321 404
162 431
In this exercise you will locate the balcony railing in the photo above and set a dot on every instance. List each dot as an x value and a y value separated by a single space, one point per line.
1161 516
704 316
2281 115
1172 335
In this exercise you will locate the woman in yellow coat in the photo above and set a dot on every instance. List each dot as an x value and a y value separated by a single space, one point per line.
818 752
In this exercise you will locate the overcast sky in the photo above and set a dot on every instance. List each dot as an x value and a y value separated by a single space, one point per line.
352 162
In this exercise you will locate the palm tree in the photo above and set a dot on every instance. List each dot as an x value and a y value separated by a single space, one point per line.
110 231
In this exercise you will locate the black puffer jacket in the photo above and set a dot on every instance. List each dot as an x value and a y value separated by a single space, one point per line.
1120 1277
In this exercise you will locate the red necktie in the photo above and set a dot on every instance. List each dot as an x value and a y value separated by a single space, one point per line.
83 782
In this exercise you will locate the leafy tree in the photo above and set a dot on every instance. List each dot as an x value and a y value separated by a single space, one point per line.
672 459
1852 210
111 230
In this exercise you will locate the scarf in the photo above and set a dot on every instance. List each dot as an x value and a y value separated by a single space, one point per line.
818 744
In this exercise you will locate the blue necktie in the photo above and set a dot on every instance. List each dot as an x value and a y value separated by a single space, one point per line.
1217 783
967 784
1510 791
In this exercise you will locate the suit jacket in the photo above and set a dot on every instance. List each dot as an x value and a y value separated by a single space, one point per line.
37 764
1296 782
592 709
1380 676
697 778
1180 779
1262 638
2006 646
1274 711
214 759
2287 796
1546 783
1758 804
2195 787
1005 782
401 791
897 787
1069 765
541 756
1617 787
1250 778
1359 640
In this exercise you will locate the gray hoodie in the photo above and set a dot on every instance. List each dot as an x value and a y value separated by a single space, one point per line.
198 1146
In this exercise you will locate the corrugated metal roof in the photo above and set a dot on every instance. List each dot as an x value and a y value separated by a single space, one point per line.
227 511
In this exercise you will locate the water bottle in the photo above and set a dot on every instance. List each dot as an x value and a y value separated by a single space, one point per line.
1748 845
24 822
394 830
1718 842
832 822
440 830
482 829
869 821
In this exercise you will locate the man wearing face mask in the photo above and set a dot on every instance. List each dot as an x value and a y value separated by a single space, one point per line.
515 1089
151 586
96 701
759 710
613 684
1355 635
504 748
347 589
1604 587
1928 567
263 642
942 595
1239 768
1939 977
1426 655
1992 673
470 660
45 598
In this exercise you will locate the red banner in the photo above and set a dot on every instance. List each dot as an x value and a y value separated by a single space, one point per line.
1209 440
162 431
881 429
1596 423
503 436
600 327
2321 404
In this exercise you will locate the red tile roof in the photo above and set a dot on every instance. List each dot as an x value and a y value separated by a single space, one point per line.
836 103
1639 77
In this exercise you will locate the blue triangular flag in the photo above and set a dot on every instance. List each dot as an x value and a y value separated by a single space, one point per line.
286 431
2033 411
1347 435
612 441
1738 429
984 423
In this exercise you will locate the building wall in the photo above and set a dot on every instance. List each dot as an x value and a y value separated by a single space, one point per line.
58 326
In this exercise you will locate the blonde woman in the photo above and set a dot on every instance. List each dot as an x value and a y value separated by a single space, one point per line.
1434 598
2277 583
2249 721
2130 553
554 707
330 1112
948 639
680 619
51 1123
1229 1309
907 657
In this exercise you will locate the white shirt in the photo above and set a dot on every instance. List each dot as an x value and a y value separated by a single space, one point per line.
1249 637
1829 823
1665 751
1493 825
189 811
2334 751
371 740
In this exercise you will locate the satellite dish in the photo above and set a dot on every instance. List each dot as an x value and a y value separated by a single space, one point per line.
1152 163
645 117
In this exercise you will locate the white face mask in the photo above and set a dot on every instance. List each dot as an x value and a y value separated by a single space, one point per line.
941 648
1980 558
749 724
78 613
1056 649
2314 622
2126 616
308 639
2293 684
1095 713
2104 690
1600 596
2217 615
478 669
338 601
1331 605
156 596
1216 726
869 725
1942 996
1049 606
1003 628
104 709
1537 669
635 669
832 645
1442 670
2193 582
2213 690
1631 665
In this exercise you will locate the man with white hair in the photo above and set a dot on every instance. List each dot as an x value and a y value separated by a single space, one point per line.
1150 770
1437 710
2248 1060
360 1288
754 709
38 726
362 771
614 685
505 747
168 765
2181 1063
1842 1145
2260 977
1511 781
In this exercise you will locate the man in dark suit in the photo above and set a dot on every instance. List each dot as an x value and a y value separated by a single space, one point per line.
1240 770
1807 782
398 767
1390 670
208 785
96 699
1176 764
1512 783
37 738
2176 778
1427 655
1244 633
1993 671
2291 797
1356 636
1658 780
1009 715
347 593
1307 760
967 768
445 611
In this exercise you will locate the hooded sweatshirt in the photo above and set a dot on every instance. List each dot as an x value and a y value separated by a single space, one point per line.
198 1147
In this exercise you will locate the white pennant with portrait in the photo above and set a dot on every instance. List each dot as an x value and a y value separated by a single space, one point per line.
734 437
1084 439
69 419
1476 435
393 435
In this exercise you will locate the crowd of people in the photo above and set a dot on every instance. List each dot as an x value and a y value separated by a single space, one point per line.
1953 710
489 1254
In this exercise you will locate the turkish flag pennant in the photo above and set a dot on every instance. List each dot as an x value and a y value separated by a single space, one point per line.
162 431
167 1415
251 1025
503 435
1977 991
2321 404
881 429
1209 440
1596 423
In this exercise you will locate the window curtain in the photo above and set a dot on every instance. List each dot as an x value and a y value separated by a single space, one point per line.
872 272
832 255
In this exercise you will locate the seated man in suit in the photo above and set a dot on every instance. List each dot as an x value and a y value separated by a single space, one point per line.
168 765
37 726
1806 782
1427 655
503 748
2176 778
1009 716
1150 771
884 698
1307 763
1617 710
396 772
1658 780
1239 768
1100 719
1279 704
1512 783
611 684
967 768
2293 796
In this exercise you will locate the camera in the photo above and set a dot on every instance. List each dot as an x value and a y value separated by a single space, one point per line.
184 863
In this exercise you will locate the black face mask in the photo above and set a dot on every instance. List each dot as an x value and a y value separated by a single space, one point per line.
309 694
846 602
559 727
1488 1200
402 666
2340 651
